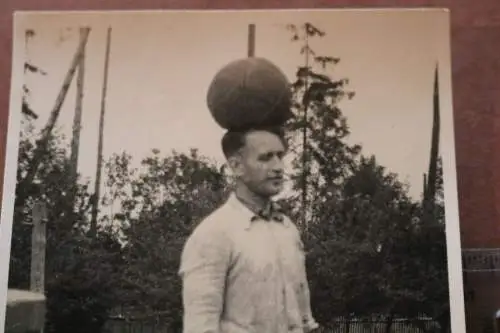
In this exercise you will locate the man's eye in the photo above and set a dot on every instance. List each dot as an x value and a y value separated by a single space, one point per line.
270 156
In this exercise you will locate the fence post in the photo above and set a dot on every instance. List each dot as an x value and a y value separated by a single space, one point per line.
38 244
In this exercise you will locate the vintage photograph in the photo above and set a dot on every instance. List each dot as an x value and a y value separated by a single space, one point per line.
233 172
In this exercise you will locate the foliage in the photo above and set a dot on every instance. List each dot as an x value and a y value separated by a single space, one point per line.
370 251
354 250
434 276
322 159
79 272
160 205
85 291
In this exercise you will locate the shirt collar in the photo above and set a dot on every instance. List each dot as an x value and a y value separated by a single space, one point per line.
248 216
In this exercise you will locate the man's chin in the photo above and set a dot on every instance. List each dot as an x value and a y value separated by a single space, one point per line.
274 191
268 191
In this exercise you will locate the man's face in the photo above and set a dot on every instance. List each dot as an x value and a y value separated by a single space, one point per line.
260 163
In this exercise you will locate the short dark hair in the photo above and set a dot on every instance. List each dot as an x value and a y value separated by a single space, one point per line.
234 140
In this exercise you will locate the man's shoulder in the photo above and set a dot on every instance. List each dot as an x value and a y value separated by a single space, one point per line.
294 227
212 224
207 238
290 222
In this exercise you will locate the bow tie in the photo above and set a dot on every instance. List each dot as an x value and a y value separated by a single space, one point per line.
273 213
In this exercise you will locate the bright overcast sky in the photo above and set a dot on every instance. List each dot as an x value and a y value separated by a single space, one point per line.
162 63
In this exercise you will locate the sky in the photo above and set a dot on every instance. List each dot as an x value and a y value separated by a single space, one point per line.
161 64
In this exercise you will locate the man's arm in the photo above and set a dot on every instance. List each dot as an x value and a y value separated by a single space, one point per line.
204 265
309 323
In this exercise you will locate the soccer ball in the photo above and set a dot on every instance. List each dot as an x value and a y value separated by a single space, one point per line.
250 92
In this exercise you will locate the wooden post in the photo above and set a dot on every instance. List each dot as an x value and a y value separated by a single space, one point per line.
46 132
97 185
305 168
251 40
38 243
77 120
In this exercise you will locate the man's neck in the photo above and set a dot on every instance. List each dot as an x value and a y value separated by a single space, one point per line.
252 200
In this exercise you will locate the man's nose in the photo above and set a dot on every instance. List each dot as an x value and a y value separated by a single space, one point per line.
278 165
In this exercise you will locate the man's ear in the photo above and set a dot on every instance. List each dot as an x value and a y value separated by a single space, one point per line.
235 164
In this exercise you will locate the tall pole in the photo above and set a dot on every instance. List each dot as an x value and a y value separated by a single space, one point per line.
304 135
97 188
251 40
47 130
77 120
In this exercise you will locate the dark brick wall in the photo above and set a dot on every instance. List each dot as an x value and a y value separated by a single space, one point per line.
476 66
482 300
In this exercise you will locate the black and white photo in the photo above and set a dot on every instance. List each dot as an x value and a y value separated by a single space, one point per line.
231 172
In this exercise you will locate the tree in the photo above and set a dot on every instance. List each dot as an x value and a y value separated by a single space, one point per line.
160 204
366 245
84 290
355 249
79 275
322 159
434 259
45 186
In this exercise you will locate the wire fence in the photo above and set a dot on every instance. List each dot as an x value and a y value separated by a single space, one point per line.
340 325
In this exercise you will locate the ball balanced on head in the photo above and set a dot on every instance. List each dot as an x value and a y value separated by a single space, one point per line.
250 92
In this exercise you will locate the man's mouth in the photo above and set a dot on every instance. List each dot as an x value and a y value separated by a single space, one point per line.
276 179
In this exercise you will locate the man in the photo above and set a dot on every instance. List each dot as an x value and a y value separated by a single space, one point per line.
243 266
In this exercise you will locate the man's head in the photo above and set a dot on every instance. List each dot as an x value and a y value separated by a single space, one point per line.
256 158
